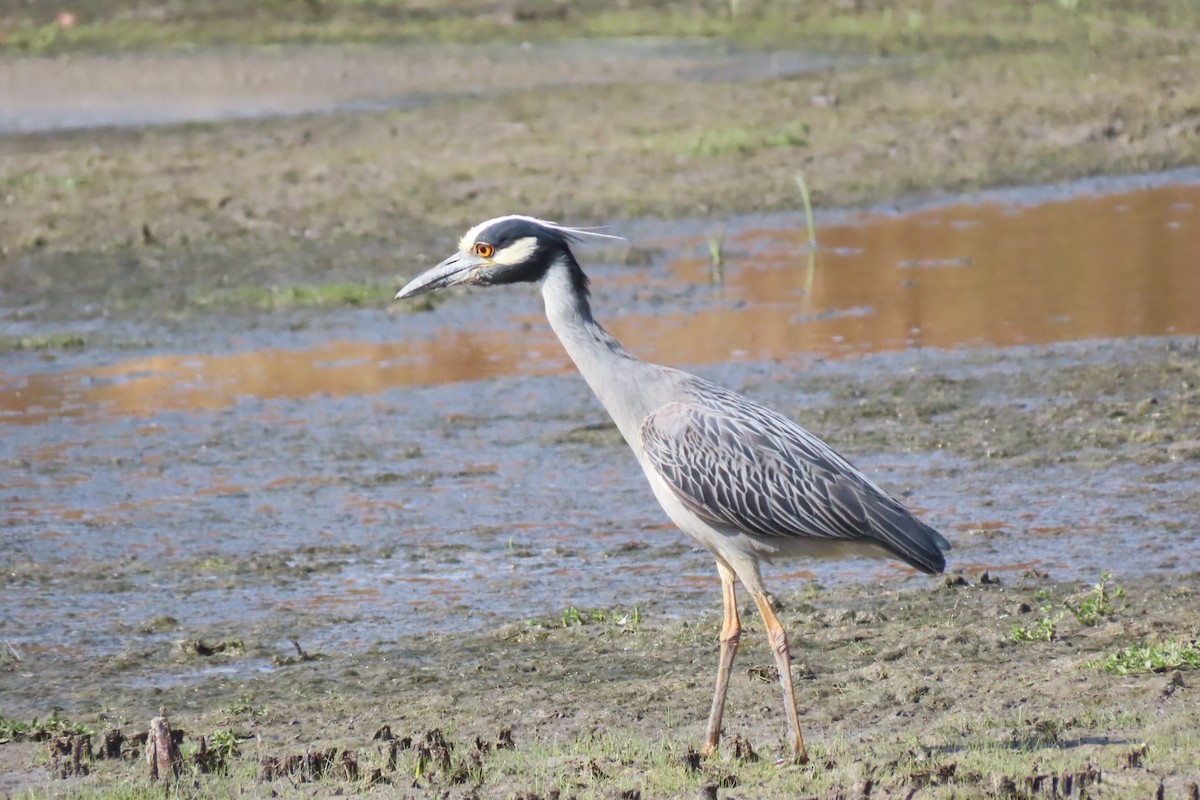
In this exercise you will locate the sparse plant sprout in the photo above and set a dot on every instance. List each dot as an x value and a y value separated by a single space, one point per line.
716 257
810 274
809 220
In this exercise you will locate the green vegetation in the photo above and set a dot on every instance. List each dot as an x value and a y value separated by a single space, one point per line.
744 140
272 298
616 616
1100 603
59 341
903 27
1138 658
36 730
243 705
716 257
809 220
225 744
1040 631
1104 600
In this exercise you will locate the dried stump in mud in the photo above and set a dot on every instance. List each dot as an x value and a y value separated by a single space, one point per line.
162 749
70 756
111 744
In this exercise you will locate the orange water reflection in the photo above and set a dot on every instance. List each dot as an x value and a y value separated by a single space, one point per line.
972 274
987 274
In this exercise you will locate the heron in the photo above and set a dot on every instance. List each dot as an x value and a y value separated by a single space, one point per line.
745 482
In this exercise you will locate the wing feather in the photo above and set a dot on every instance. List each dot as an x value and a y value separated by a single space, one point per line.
737 464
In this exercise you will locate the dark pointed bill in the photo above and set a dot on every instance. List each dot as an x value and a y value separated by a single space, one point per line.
454 270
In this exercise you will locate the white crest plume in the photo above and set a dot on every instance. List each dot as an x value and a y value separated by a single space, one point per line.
469 238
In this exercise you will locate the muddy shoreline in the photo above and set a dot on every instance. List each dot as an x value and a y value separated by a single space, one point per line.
314 565
1007 432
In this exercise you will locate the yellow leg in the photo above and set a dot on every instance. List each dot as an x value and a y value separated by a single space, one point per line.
731 632
783 661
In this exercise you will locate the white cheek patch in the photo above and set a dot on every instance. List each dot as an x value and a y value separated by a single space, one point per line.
516 253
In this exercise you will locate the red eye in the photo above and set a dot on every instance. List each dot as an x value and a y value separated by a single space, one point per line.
484 250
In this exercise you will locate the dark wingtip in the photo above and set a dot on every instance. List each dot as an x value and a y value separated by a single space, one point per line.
912 541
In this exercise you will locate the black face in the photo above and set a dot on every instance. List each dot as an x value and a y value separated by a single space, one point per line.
522 250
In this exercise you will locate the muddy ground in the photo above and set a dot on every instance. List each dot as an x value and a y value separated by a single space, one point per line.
952 686
151 239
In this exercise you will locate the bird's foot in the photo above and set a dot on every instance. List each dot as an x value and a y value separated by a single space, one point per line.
798 759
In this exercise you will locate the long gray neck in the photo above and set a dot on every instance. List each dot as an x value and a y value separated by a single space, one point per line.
618 379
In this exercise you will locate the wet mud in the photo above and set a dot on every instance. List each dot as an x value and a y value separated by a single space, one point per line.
407 557
351 547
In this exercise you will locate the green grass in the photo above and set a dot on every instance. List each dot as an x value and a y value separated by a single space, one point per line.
273 298
743 140
57 341
616 616
902 27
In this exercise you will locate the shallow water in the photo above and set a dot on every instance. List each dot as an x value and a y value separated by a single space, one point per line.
48 94
971 274
351 491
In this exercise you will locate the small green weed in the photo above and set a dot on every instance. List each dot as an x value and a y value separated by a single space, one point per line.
1040 631
244 706
13 730
214 754
1099 603
617 616
1138 658
225 744
1105 599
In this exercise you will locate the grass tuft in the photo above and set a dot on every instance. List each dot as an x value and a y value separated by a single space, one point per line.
274 298
62 341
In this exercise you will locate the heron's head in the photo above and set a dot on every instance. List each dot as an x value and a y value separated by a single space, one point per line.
511 249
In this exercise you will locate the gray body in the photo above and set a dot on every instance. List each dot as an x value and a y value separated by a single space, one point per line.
742 480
